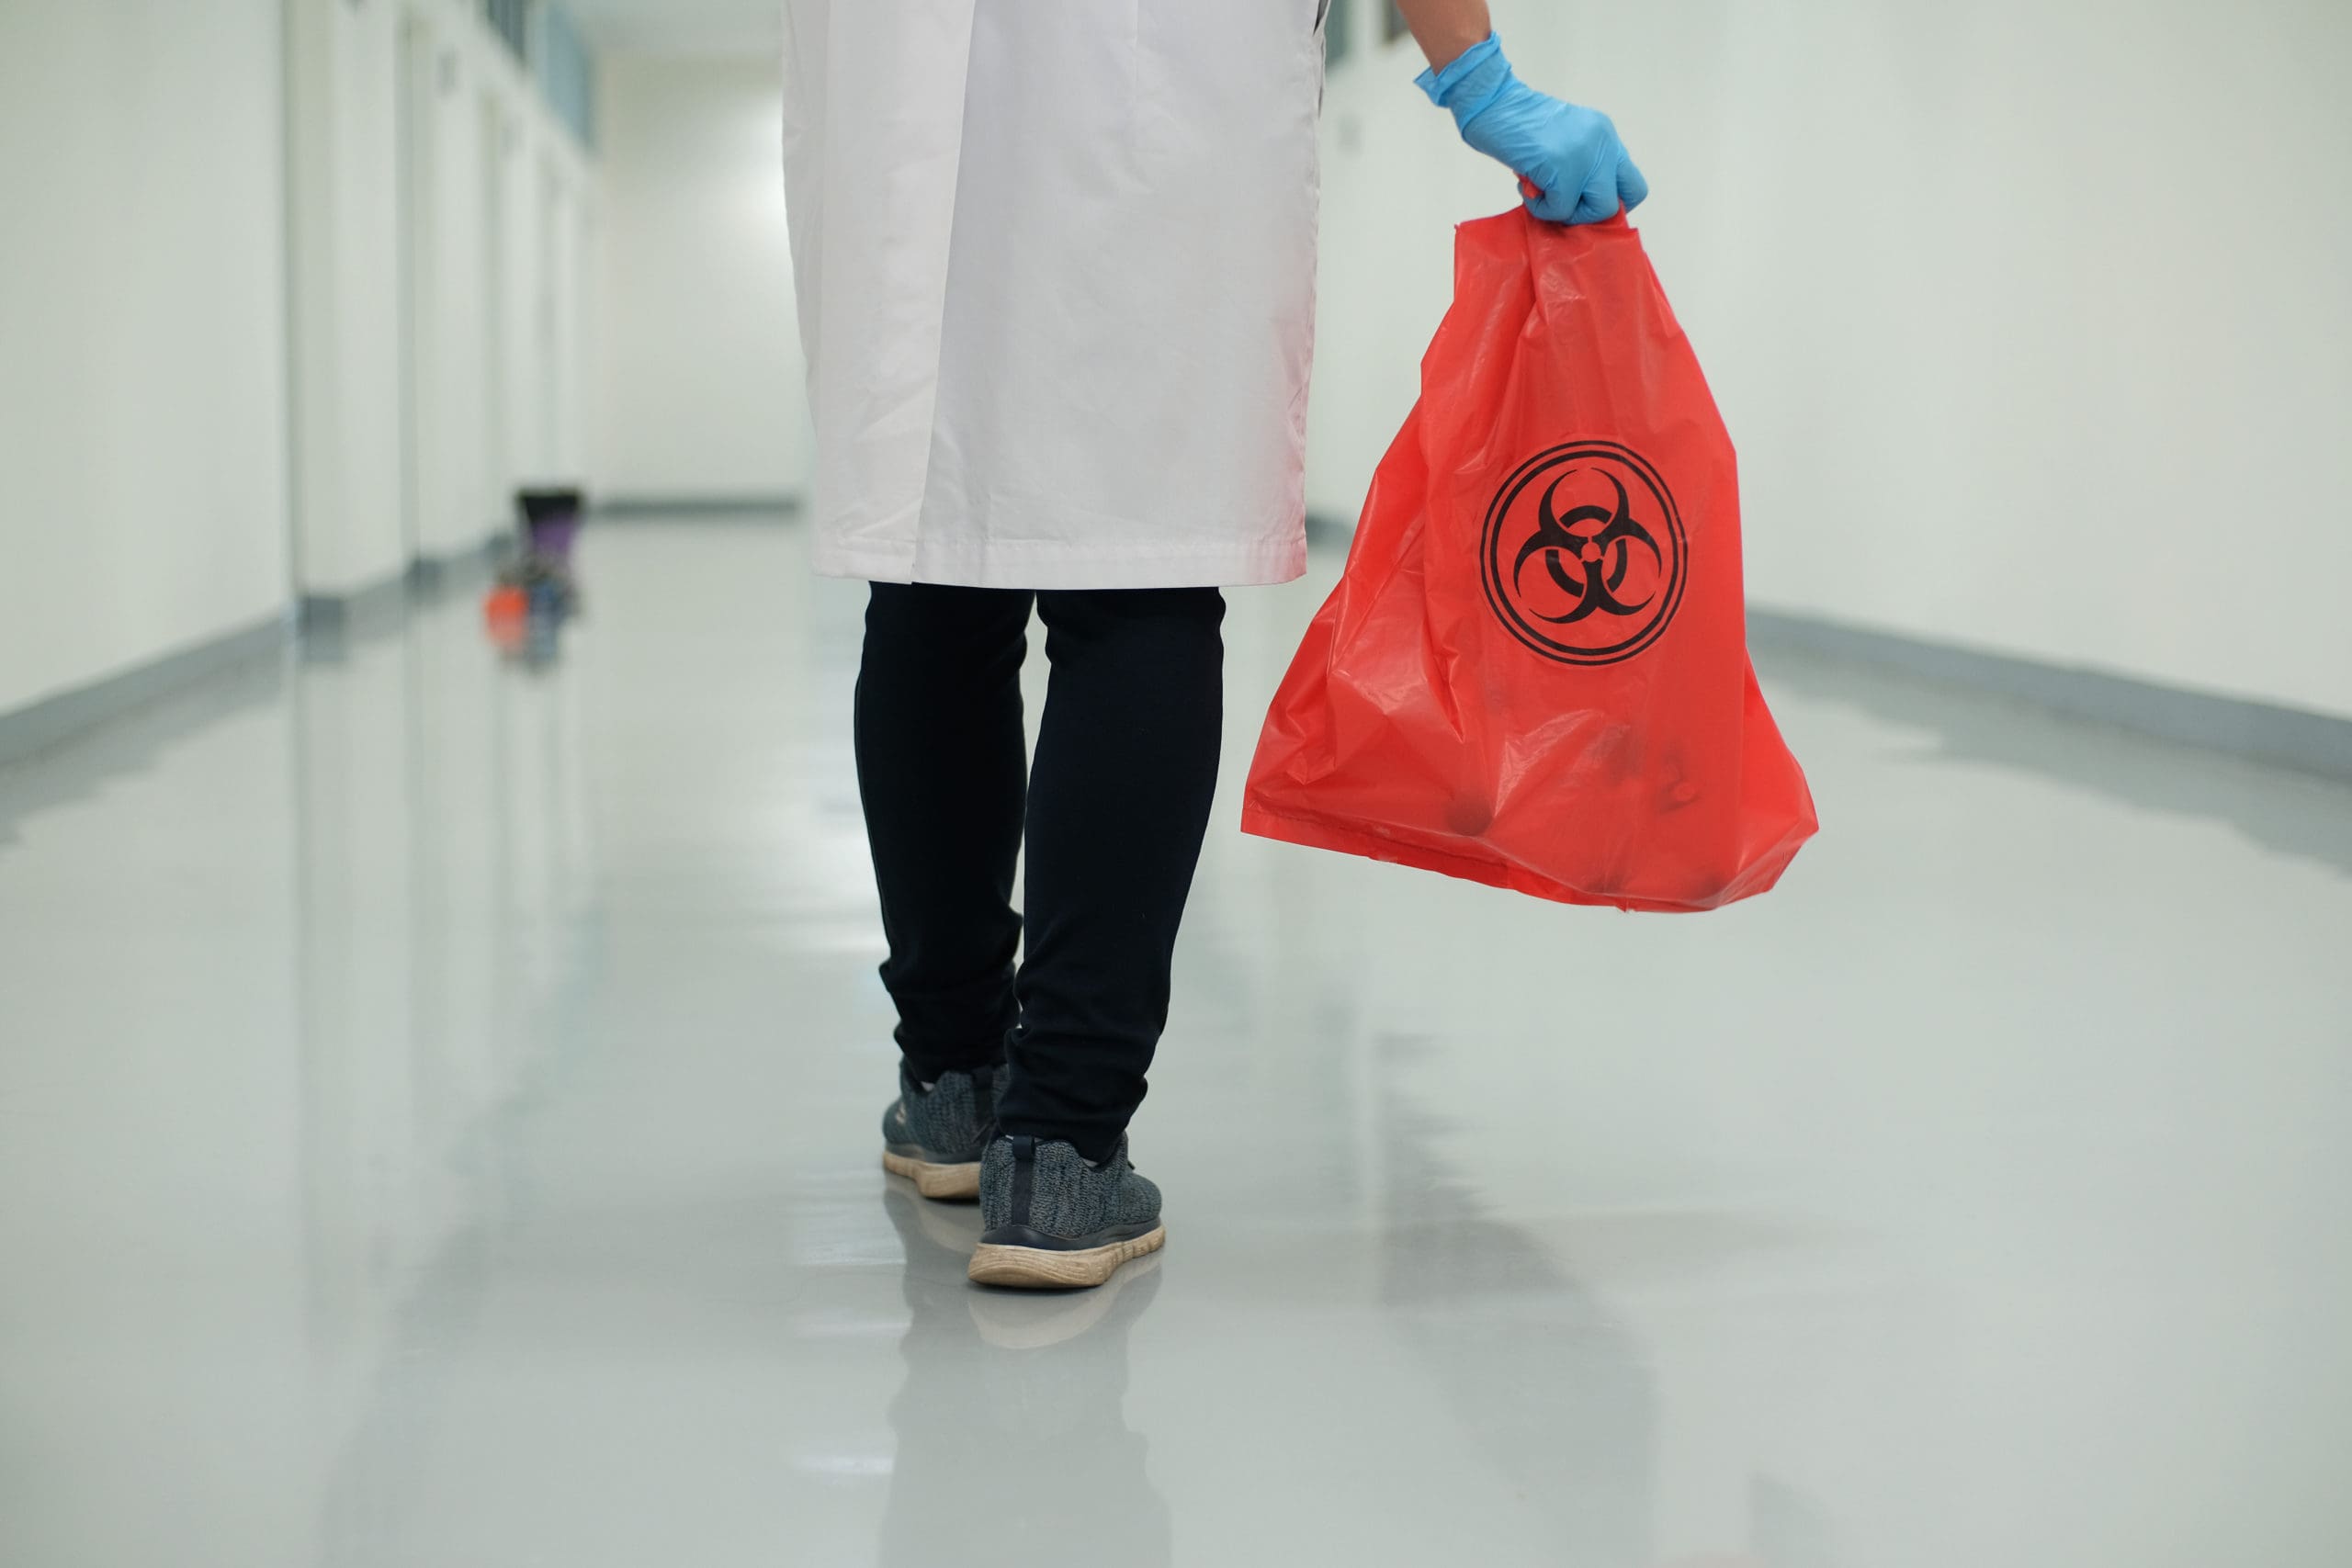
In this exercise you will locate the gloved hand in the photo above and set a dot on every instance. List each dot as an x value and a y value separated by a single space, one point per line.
1570 154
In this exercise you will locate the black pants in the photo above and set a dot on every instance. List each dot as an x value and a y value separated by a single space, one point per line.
1113 814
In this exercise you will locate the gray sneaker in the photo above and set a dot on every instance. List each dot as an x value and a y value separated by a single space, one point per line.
935 1136
1049 1221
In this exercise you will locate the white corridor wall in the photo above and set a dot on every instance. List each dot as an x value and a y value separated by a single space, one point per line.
2032 320
701 383
219 389
142 334
438 212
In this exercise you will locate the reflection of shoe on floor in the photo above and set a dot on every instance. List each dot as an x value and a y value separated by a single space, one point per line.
1031 1320
1050 1221
934 1136
948 1231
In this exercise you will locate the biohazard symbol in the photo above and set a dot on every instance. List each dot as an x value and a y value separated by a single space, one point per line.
1584 554
1603 555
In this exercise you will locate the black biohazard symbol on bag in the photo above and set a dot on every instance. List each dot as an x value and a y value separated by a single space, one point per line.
1584 555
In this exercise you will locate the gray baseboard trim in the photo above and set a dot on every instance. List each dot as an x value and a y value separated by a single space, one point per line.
387 598
332 624
321 625
1324 530
693 508
27 730
2267 732
379 603
431 575
2311 742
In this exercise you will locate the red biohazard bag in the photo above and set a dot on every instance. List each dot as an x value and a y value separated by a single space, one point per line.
1534 672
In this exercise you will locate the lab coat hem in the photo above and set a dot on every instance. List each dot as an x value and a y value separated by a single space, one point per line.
1241 564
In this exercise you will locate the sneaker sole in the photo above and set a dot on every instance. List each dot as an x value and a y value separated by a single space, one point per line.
1035 1268
949 1182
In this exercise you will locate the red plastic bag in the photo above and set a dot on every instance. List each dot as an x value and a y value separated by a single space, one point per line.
1534 672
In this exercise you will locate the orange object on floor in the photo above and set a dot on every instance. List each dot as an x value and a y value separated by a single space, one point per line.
506 611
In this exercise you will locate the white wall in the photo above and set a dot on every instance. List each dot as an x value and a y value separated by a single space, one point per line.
2032 320
142 334
701 383
485 346
345 271
202 361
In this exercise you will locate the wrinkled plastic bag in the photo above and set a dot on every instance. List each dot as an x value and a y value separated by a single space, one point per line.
1534 672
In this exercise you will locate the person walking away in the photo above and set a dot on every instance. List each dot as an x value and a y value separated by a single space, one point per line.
1056 267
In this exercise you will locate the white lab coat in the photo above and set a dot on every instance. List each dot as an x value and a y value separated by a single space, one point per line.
1056 263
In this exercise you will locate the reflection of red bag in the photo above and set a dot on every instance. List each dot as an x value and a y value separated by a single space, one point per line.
1534 672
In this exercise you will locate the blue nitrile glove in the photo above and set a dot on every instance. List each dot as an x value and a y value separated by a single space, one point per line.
1570 154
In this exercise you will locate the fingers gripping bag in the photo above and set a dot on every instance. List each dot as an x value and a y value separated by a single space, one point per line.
1533 672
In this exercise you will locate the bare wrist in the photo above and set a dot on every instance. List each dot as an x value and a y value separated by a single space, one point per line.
1447 30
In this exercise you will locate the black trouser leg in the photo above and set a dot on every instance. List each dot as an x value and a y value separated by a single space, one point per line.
940 770
1119 801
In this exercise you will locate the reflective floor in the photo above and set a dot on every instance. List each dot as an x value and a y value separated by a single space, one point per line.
436 1130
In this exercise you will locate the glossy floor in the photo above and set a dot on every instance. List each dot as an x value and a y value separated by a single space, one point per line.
436 1130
